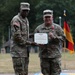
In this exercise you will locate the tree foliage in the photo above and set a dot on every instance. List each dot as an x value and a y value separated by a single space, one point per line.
9 8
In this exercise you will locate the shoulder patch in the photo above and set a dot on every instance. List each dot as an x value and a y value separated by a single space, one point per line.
16 24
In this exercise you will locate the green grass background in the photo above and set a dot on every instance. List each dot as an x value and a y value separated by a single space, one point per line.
6 65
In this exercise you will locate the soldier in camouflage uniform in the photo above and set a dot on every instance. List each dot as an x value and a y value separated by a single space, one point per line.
50 54
19 37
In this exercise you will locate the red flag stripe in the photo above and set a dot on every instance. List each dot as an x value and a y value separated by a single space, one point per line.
70 46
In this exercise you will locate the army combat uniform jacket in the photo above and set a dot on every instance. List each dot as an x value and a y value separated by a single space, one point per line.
52 49
19 36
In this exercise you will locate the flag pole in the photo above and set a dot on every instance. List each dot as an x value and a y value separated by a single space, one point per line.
64 45
60 20
60 25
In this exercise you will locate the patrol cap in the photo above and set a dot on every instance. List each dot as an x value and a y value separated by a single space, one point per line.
47 12
24 6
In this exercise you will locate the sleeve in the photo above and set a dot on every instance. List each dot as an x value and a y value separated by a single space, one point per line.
60 33
36 30
16 32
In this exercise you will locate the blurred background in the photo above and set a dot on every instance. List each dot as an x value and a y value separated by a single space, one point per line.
9 8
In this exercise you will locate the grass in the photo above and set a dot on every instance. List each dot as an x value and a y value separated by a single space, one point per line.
68 62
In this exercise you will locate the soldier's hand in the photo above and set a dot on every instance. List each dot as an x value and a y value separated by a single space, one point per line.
41 45
51 35
33 44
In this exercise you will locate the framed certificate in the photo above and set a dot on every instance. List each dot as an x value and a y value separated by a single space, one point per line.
41 38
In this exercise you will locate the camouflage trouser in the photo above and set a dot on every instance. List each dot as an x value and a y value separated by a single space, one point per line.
50 66
20 65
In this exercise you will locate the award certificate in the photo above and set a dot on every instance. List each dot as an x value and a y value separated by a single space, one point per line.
41 38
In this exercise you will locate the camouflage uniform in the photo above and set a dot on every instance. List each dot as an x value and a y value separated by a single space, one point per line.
19 51
50 53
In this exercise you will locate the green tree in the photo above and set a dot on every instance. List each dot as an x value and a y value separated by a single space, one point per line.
9 8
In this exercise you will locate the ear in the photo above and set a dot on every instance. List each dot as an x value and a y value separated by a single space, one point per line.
51 17
43 18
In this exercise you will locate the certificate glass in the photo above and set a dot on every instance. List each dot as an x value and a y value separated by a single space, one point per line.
41 38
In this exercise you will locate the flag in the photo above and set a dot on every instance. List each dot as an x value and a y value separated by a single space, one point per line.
69 39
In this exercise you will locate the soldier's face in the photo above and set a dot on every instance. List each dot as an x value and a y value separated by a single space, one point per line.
48 20
24 13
